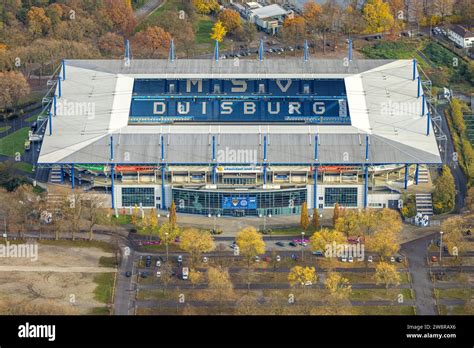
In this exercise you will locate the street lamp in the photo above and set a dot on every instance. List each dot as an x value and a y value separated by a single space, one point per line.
440 244
302 246
166 238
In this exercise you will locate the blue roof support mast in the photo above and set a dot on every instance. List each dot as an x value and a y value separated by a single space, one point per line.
315 172
418 93
216 51
127 53
214 166
414 69
405 182
260 51
306 51
428 123
163 166
112 172
63 62
172 56
350 50
265 160
417 173
50 119
366 185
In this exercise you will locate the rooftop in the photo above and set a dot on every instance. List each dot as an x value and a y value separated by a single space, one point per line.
381 95
269 11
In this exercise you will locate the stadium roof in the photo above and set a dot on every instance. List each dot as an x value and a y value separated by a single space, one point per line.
269 11
381 94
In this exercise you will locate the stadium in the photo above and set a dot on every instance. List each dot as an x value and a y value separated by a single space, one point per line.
248 137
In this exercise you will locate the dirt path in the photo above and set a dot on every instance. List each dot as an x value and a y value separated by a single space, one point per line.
56 269
147 9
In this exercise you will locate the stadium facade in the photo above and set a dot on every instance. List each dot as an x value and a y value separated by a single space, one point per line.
240 137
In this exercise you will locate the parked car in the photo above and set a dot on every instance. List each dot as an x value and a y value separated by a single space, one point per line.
392 259
280 244
185 273
205 259
144 275
128 274
370 259
318 253
158 263
434 259
267 259
344 259
180 258
294 257
293 244
399 259
158 274
350 259
257 258
278 258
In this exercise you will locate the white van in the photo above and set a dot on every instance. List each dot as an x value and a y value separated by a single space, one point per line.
185 273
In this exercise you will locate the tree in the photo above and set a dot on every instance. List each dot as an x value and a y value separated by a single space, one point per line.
206 6
349 223
230 19
250 243
246 33
153 221
293 29
218 32
38 23
168 232
111 44
302 276
336 214
172 213
444 193
248 276
93 212
457 115
386 274
13 87
315 221
120 16
219 285
384 242
452 234
337 285
352 20
153 40
325 238
180 28
196 242
304 219
195 277
377 16
72 209
134 217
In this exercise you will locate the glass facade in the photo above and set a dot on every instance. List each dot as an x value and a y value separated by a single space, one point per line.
235 203
344 196
137 195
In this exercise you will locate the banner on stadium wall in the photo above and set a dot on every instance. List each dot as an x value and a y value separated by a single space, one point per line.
239 202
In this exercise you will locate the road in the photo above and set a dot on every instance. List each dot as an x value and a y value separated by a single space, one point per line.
416 252
148 8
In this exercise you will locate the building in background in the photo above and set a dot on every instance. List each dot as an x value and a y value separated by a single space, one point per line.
461 36
269 18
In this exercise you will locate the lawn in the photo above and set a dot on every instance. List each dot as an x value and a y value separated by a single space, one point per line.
155 17
105 283
462 294
385 310
81 244
24 167
380 294
203 35
4 129
14 143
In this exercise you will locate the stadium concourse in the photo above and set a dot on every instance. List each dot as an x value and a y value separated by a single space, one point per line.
240 137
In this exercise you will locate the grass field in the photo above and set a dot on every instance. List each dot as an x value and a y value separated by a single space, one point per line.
14 143
24 167
104 289
80 244
4 129
203 35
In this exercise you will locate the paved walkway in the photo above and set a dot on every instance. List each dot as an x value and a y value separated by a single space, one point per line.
416 252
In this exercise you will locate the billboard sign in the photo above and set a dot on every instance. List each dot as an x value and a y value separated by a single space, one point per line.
239 202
